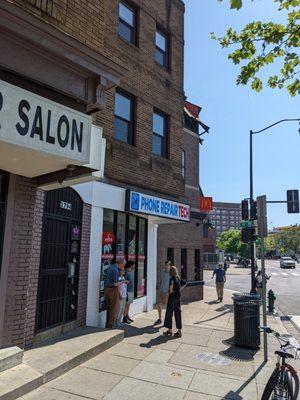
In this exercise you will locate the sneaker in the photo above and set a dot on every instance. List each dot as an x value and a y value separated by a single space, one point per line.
126 320
158 322
129 319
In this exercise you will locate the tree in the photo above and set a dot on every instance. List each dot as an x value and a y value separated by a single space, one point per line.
229 241
288 240
260 44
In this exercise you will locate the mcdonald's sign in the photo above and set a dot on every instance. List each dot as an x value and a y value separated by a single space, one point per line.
206 203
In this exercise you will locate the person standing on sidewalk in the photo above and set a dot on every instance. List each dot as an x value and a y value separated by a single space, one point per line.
173 307
122 298
111 291
259 282
129 276
163 292
220 280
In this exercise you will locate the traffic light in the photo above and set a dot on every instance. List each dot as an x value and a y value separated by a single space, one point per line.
245 210
253 210
248 235
292 197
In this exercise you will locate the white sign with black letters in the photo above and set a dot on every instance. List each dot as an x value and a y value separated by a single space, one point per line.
34 122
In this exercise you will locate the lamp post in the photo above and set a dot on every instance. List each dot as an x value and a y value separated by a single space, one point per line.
252 248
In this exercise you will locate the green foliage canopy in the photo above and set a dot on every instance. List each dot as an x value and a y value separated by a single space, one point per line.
259 44
231 242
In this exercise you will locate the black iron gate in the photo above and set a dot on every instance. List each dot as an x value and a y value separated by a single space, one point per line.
3 199
59 265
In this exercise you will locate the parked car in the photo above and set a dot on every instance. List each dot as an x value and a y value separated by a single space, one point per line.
287 262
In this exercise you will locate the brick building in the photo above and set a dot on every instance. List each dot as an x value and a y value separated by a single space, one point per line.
225 216
53 75
186 244
91 141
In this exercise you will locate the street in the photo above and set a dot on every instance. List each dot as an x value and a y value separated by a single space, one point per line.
285 284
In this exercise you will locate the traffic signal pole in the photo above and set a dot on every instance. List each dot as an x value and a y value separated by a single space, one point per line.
252 246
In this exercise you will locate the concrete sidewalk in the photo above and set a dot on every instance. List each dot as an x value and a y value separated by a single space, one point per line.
203 364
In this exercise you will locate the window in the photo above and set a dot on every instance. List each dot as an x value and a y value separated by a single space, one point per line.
183 264
159 139
127 23
124 237
183 164
170 254
197 265
123 124
162 49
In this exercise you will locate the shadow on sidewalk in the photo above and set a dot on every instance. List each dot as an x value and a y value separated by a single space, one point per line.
235 395
227 311
131 330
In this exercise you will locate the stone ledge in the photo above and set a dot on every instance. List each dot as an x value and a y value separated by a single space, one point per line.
55 357
10 357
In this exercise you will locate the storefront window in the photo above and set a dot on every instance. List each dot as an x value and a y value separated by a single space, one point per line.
121 236
124 237
108 249
141 268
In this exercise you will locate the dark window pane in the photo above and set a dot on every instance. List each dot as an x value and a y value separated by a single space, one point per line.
141 270
184 263
160 57
126 14
157 145
170 254
161 41
121 234
158 124
132 238
121 130
126 32
122 106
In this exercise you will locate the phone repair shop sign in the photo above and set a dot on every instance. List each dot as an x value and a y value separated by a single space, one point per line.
146 204
41 126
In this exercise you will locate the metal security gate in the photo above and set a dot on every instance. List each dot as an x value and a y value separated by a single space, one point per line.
59 264
3 199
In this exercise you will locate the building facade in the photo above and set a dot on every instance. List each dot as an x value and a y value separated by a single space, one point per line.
185 244
142 186
54 75
225 216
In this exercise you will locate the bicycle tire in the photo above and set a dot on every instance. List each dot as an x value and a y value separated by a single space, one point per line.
293 385
271 384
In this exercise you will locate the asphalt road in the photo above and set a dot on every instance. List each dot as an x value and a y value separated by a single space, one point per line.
285 284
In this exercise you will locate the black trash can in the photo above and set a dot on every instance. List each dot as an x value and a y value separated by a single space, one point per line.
246 320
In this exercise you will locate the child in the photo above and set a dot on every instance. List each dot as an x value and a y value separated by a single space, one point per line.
122 297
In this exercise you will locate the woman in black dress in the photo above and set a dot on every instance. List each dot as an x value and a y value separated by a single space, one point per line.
173 306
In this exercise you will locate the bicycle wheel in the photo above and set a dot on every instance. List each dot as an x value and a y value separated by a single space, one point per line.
292 383
271 385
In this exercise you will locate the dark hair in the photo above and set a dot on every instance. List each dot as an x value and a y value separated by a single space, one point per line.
168 262
129 264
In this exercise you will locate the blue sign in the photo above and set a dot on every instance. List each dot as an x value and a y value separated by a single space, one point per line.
146 204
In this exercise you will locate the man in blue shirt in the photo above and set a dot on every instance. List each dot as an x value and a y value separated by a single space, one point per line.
111 291
220 280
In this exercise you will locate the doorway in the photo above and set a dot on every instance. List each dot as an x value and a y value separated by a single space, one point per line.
60 255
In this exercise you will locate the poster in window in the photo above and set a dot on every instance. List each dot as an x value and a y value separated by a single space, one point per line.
75 232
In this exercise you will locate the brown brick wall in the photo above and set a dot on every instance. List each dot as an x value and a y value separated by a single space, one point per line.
23 264
95 23
84 263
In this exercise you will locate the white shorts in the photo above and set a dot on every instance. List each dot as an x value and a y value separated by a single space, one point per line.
130 297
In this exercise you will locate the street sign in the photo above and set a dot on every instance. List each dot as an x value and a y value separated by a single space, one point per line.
292 197
246 224
262 223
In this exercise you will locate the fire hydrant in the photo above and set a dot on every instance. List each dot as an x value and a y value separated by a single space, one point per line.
271 299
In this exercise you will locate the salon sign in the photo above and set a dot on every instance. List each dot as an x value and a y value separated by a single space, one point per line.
146 204
34 122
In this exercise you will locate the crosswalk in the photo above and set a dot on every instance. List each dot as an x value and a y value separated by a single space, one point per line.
285 273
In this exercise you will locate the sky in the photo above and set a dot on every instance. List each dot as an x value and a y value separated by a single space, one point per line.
231 111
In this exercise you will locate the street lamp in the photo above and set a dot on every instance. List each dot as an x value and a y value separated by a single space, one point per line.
252 249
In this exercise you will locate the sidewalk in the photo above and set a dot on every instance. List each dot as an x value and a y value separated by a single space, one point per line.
146 365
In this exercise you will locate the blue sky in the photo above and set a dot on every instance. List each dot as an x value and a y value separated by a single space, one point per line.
231 111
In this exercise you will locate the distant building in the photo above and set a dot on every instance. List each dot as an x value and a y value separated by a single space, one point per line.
225 216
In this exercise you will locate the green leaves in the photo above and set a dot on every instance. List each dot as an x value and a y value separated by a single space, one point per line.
260 44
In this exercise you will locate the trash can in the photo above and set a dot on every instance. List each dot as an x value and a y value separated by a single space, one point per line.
247 320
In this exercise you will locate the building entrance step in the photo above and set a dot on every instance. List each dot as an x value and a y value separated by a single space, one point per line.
55 357
10 357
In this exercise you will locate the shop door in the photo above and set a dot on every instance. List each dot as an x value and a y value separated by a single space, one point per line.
59 265
3 197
